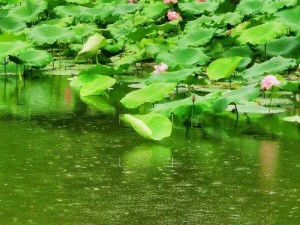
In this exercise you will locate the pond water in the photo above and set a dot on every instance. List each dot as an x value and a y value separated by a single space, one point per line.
65 162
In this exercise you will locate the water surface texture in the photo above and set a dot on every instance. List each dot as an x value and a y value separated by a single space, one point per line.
63 161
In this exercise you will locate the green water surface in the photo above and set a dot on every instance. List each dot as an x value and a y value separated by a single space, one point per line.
63 161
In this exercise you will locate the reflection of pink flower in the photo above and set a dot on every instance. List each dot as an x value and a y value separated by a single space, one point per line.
173 15
169 1
268 82
162 67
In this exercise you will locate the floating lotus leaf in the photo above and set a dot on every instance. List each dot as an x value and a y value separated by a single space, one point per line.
183 108
83 79
151 126
183 57
196 8
254 108
197 37
152 93
99 103
250 7
36 58
171 77
97 86
223 67
271 6
11 48
10 24
50 34
68 10
28 11
154 11
293 119
245 93
289 17
274 65
262 34
288 47
92 46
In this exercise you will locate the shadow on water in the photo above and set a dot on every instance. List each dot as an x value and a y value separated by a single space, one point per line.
66 160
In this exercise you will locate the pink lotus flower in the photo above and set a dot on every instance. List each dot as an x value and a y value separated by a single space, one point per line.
170 1
268 82
132 1
200 0
162 67
173 15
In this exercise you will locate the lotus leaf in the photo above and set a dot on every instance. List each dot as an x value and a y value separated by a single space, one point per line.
196 8
97 86
293 119
67 10
152 93
171 77
223 67
50 34
197 37
271 6
250 7
99 103
36 58
289 17
11 48
10 24
151 126
183 57
100 12
254 108
123 9
262 34
92 46
292 86
83 79
78 1
28 11
154 11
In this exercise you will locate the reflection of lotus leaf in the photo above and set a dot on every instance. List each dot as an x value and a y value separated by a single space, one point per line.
100 103
147 156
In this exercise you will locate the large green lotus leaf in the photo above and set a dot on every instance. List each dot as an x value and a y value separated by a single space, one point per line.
253 108
288 47
245 93
97 86
100 12
83 79
123 9
68 10
28 11
99 103
183 57
242 51
183 108
223 67
262 34
289 17
11 24
197 37
293 119
36 58
92 46
83 30
271 6
151 126
154 46
170 77
49 34
11 48
11 37
250 7
154 11
292 86
274 65
59 22
196 8
152 93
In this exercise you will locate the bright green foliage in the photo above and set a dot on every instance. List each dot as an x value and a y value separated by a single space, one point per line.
183 57
92 46
67 10
292 86
171 77
78 1
49 34
154 11
100 70
223 67
152 93
183 108
197 37
83 79
100 12
293 119
289 17
150 126
10 24
123 9
272 66
254 108
262 34
28 11
248 7
82 31
271 6
36 58
97 86
197 8
11 48
243 94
